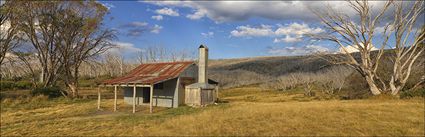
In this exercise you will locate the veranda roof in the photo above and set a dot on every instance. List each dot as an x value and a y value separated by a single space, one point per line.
151 73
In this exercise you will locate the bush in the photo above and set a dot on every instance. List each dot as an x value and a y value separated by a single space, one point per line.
23 85
87 83
412 93
51 92
357 88
6 85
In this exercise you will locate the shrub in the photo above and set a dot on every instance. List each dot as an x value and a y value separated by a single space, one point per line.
23 85
51 92
87 82
412 93
357 88
6 85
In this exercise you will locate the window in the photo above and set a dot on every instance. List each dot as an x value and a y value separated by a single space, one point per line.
158 86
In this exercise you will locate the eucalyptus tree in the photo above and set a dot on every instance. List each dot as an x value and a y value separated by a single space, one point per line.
35 20
82 37
398 20
9 34
64 34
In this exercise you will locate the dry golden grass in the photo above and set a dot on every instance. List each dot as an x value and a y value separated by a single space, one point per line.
322 118
250 111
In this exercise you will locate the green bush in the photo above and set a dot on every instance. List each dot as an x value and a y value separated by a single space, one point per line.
4 85
23 85
8 85
412 93
87 83
51 92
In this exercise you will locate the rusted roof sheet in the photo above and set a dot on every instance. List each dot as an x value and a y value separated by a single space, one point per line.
151 73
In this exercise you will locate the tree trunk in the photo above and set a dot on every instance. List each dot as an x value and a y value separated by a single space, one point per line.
372 86
76 83
41 79
73 89
395 88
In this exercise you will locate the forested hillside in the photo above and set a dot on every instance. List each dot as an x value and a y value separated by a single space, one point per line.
284 73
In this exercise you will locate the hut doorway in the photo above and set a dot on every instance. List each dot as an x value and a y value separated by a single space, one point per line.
146 95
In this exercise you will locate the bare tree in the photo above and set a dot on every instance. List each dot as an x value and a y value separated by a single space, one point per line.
152 54
178 55
344 31
329 80
28 61
113 63
173 56
15 67
162 54
333 79
141 57
406 53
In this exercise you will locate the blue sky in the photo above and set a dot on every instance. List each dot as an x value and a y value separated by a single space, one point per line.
229 29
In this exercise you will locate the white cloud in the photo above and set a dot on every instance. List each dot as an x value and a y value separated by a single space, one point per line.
297 29
287 39
135 24
355 48
248 31
138 28
197 15
295 51
156 29
124 47
381 29
157 17
167 11
225 11
208 34
285 33
294 32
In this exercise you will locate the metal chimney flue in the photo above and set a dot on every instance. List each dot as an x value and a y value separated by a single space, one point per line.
203 64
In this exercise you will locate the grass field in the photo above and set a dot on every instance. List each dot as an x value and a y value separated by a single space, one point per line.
246 111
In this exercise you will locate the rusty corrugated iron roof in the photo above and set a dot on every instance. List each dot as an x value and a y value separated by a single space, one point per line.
151 73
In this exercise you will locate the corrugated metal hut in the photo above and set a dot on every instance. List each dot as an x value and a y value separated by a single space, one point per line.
157 84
